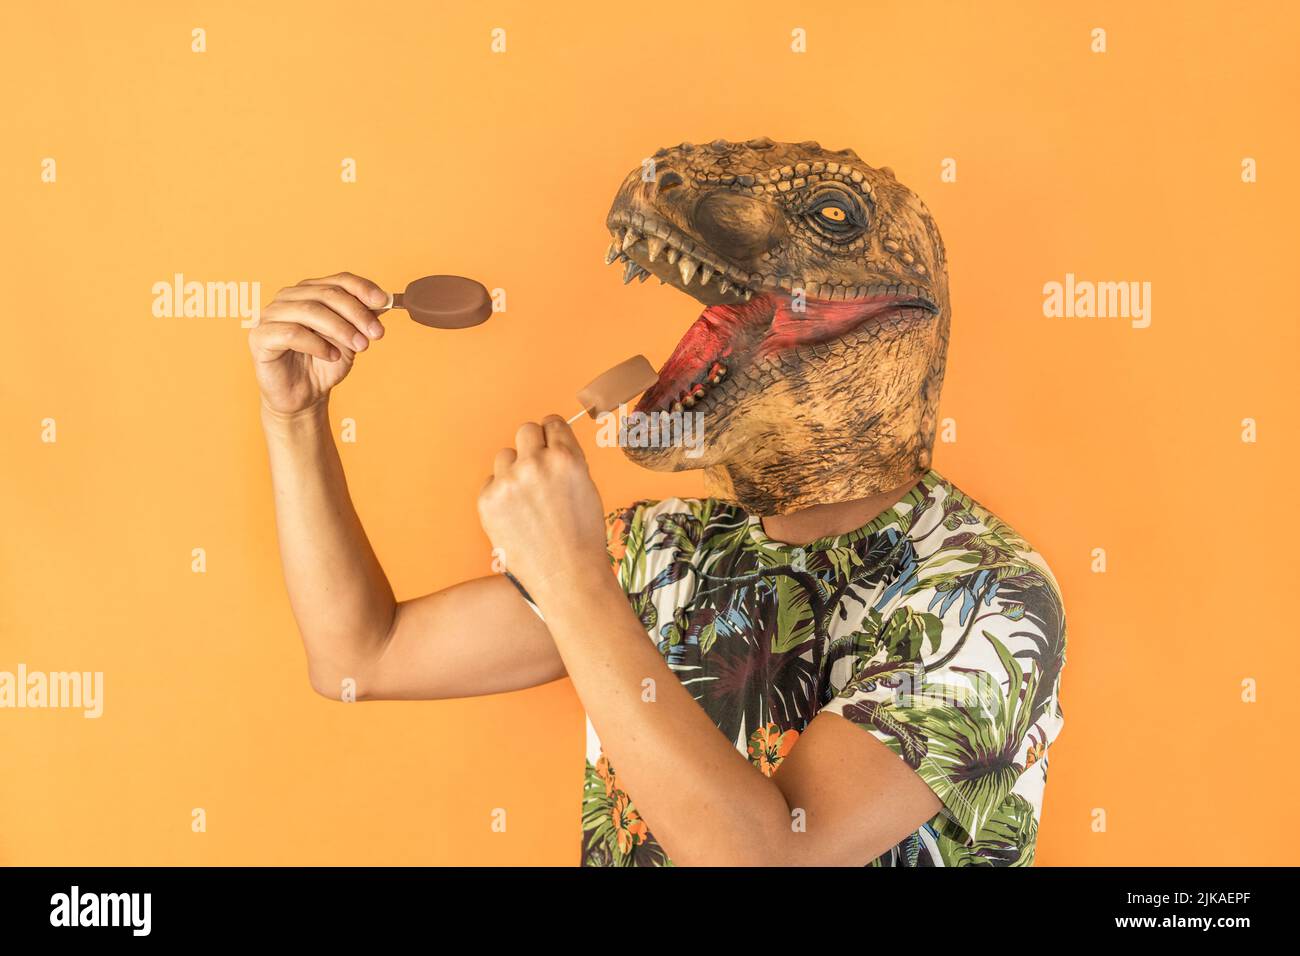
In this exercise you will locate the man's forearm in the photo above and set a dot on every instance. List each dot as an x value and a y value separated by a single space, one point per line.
340 596
706 804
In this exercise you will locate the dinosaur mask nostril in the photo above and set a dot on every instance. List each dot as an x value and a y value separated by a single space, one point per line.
668 180
736 225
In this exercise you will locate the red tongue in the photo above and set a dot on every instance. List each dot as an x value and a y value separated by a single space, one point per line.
820 321
764 325
716 334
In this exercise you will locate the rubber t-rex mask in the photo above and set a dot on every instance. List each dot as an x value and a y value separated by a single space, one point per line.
818 359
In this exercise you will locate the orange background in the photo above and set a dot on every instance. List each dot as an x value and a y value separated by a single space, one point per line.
225 165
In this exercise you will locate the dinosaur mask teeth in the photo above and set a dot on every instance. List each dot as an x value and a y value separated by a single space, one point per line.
699 370
637 249
633 271
693 395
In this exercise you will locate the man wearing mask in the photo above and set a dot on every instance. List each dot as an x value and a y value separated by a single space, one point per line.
837 658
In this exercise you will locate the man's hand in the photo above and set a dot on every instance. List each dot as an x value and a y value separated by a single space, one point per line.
541 508
308 337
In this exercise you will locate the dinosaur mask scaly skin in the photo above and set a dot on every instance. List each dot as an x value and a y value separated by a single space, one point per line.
828 403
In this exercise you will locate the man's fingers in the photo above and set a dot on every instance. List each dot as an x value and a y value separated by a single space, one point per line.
530 439
559 434
339 300
366 291
272 339
501 464
321 319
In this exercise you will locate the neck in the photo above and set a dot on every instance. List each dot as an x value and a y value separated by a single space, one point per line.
838 477
819 521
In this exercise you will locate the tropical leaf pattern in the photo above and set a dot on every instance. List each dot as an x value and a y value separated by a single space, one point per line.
936 628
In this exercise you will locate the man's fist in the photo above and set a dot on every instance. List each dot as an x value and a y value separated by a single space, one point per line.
308 338
542 510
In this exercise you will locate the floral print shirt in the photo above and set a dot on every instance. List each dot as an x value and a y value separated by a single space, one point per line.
935 628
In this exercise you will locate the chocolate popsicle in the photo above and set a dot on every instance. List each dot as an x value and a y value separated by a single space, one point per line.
444 302
622 383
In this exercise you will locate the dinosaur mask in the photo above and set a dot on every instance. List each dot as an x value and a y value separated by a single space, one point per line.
817 362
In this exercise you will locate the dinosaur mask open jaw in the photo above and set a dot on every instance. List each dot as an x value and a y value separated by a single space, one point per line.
741 324
737 337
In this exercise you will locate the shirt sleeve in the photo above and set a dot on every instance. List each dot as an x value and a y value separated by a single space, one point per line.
969 701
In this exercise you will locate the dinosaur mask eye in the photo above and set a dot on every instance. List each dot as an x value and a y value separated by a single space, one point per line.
836 215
